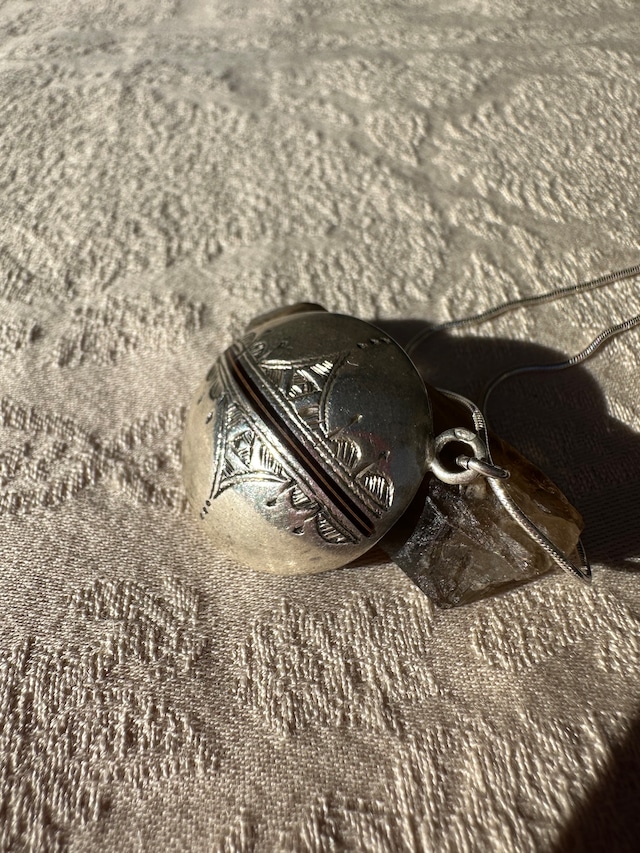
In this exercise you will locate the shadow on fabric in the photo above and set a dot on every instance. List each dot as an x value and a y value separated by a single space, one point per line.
557 420
608 821
561 423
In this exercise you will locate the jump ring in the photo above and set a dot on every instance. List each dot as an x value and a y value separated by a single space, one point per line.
461 435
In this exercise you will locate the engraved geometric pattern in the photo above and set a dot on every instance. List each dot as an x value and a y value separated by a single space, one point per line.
241 454
244 454
168 171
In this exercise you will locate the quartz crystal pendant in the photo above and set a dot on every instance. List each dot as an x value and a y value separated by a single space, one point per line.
459 545
306 442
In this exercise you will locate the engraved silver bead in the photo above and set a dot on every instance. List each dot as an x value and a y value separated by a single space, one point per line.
306 442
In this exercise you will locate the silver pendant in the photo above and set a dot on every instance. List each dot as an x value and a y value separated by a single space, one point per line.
307 441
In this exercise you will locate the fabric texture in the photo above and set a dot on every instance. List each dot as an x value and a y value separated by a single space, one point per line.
167 171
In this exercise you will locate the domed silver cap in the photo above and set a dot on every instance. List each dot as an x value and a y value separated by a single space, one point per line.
306 441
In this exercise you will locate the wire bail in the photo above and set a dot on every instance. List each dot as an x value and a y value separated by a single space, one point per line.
470 467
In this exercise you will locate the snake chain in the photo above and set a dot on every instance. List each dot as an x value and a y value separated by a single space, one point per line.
482 463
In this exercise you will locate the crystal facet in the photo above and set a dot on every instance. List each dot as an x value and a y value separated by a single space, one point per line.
458 544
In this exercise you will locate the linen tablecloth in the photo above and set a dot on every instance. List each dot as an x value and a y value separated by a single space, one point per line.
167 171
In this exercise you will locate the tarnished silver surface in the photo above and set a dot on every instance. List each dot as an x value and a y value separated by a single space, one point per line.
306 441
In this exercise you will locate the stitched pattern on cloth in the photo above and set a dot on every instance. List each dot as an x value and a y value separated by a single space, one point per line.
122 325
151 628
55 459
336 823
518 633
15 336
355 665
240 836
75 720
453 788
28 266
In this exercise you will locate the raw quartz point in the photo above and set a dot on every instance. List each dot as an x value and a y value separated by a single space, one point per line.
459 545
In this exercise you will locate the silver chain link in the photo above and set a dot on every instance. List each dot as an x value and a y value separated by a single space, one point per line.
527 301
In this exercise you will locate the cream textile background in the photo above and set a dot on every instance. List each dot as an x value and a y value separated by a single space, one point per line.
167 171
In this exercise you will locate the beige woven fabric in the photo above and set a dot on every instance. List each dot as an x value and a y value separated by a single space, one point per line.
169 169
